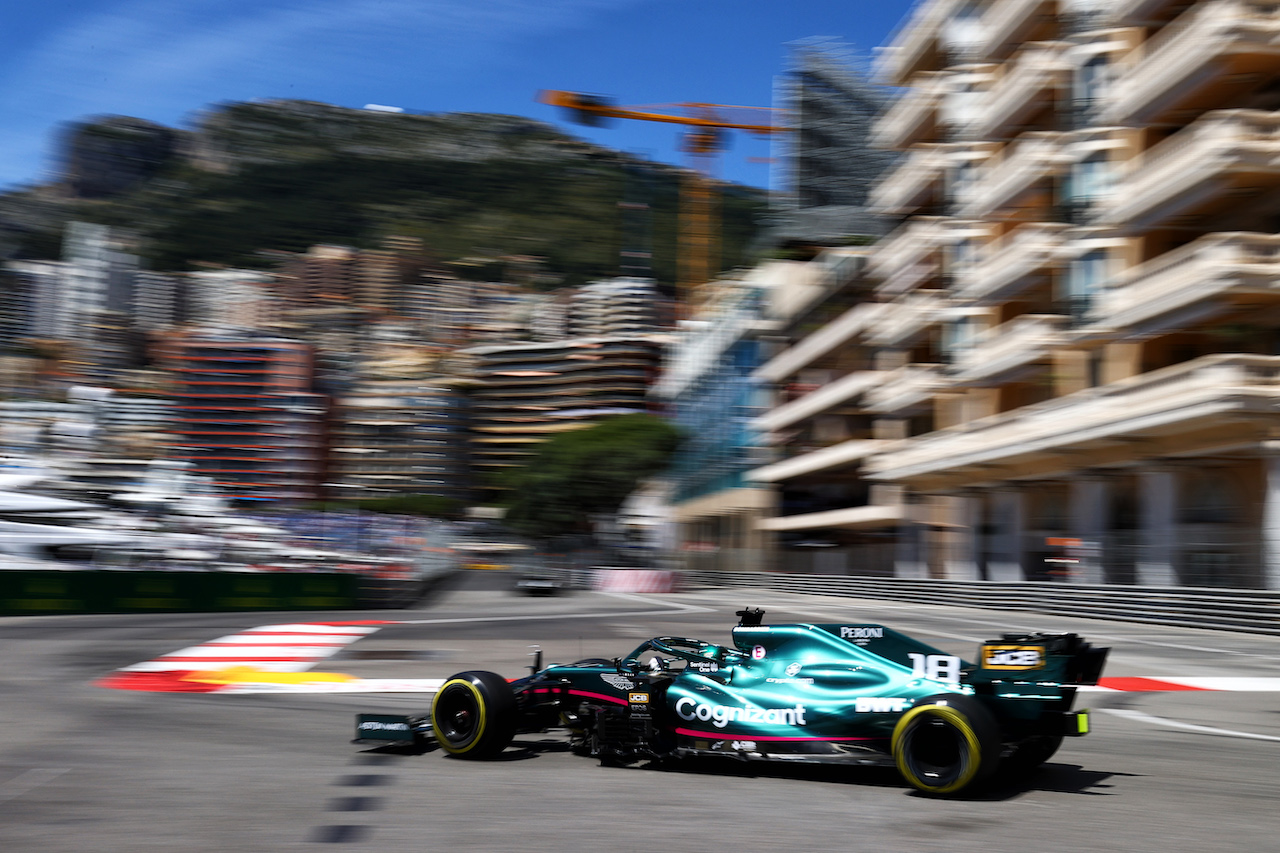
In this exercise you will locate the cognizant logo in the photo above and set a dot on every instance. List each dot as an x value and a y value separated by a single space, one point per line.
722 715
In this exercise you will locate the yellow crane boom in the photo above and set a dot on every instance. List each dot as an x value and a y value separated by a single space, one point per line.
698 231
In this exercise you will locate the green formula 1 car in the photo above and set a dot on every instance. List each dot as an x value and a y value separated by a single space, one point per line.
846 693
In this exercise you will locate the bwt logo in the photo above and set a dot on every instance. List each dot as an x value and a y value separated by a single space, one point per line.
879 705
861 633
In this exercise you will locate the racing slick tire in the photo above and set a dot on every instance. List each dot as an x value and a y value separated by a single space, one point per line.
946 744
473 715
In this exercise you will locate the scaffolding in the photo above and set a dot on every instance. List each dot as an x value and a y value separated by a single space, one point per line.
823 171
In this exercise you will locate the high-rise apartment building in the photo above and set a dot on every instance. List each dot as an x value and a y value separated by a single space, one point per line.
528 392
244 413
824 169
159 301
399 435
399 424
232 299
1080 327
619 306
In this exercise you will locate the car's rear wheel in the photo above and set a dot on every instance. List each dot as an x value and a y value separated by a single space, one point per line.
474 715
946 744
1029 755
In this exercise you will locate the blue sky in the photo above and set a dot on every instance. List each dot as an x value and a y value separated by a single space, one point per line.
165 60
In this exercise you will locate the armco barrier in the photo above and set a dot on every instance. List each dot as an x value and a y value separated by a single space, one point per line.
1253 611
40 592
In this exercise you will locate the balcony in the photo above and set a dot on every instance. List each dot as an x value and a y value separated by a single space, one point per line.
829 338
915 46
915 115
839 455
1211 54
907 318
1012 345
870 516
1207 165
829 396
908 387
1030 85
1216 390
916 182
1009 23
1131 13
909 256
1009 264
1211 274
1029 164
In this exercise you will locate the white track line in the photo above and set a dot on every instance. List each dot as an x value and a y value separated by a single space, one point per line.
24 782
543 618
363 685
1140 717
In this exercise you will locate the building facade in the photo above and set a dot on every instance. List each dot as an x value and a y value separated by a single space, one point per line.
244 414
707 389
525 393
399 426
1080 324
824 425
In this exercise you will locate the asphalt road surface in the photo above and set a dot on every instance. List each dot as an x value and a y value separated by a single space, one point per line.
85 768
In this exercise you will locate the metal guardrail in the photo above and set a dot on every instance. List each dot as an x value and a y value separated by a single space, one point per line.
1246 610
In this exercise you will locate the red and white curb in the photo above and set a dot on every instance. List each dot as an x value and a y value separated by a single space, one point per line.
270 654
1133 684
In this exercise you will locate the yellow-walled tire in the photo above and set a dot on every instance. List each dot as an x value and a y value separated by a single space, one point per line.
473 715
946 745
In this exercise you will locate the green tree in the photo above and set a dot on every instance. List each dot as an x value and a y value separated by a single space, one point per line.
578 474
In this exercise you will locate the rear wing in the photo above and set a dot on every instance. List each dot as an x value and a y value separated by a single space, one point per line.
1064 658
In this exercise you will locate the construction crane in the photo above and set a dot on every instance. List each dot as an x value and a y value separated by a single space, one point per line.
698 231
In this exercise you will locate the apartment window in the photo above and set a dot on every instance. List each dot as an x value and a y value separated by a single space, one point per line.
963 32
958 336
962 179
1085 276
1090 178
963 254
1091 80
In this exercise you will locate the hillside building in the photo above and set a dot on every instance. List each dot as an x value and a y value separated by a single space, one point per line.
528 392
399 426
244 413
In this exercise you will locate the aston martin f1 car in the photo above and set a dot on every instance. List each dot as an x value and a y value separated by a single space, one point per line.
850 693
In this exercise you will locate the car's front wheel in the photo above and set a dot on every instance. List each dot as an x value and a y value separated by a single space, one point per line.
946 744
474 715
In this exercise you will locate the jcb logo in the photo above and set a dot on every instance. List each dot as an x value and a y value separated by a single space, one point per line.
1012 657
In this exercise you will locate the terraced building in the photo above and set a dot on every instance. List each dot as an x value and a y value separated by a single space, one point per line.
1082 290
527 392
